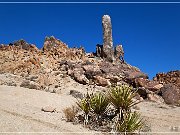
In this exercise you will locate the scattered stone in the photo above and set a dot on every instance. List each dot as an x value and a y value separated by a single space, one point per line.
76 94
29 84
48 109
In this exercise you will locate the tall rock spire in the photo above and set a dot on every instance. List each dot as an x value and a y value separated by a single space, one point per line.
108 52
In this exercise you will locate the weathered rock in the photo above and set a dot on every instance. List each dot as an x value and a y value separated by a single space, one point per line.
76 94
81 78
22 44
32 78
155 98
119 53
48 109
143 92
91 70
150 85
29 84
171 94
108 52
172 77
101 81
99 50
131 78
135 74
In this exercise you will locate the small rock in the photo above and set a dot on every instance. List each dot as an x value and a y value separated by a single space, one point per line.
48 109
29 84
76 94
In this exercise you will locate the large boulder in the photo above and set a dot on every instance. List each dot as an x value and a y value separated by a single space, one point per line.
81 78
101 81
148 84
171 94
91 70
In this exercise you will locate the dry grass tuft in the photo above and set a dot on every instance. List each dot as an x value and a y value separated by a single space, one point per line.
70 113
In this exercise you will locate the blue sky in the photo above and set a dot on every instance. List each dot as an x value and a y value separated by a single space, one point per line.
149 33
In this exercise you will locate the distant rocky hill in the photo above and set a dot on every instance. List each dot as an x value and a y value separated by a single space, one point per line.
26 65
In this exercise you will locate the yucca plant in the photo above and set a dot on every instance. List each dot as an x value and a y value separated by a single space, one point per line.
99 103
131 123
84 105
121 97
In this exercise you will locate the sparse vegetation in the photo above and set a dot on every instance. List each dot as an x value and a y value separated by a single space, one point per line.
70 113
111 110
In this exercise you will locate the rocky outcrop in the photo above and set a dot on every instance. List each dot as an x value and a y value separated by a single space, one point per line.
171 86
47 68
58 50
148 84
172 77
108 52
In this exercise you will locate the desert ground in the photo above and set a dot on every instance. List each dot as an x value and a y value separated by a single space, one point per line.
20 112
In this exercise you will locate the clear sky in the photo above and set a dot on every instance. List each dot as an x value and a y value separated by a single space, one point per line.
149 33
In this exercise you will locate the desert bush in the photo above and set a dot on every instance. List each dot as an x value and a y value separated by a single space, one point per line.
99 103
121 97
131 123
97 111
84 105
70 113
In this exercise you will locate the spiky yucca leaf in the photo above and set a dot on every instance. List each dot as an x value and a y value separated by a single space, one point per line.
84 105
99 103
131 123
121 97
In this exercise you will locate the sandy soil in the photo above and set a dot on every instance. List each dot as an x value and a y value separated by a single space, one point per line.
20 111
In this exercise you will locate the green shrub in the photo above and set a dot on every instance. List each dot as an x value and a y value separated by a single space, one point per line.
131 123
84 105
99 103
121 97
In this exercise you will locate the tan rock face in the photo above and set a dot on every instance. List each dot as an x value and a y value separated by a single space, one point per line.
59 50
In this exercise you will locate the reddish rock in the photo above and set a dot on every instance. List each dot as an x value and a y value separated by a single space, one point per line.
133 75
91 70
171 94
81 78
172 77
155 98
148 84
101 81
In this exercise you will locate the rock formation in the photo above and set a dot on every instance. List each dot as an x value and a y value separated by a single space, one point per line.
119 53
108 52
23 64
